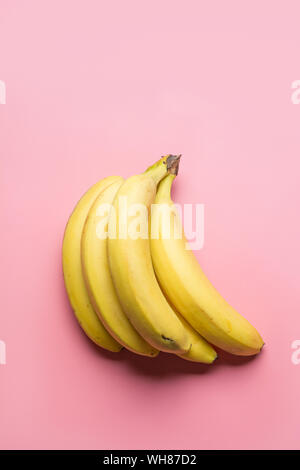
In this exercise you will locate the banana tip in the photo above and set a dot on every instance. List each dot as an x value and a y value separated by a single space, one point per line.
215 359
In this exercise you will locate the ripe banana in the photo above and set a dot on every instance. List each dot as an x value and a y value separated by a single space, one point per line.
131 266
98 278
200 350
191 293
73 276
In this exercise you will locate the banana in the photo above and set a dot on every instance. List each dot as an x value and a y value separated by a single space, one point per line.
98 278
200 350
131 266
188 289
73 276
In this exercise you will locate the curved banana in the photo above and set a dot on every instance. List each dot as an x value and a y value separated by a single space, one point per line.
132 269
200 350
73 277
191 293
98 278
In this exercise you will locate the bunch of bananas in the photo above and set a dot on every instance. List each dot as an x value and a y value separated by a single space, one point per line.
145 293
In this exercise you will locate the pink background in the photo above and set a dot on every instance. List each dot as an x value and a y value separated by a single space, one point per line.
97 88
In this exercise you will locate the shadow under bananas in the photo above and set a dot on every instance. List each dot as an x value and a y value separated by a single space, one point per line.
166 365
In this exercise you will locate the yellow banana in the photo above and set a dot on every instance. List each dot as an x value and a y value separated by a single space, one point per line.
200 350
73 276
98 278
132 269
189 290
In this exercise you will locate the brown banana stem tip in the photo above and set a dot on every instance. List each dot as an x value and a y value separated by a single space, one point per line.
173 164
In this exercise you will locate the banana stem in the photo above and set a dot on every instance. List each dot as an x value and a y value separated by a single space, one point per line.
166 165
173 164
